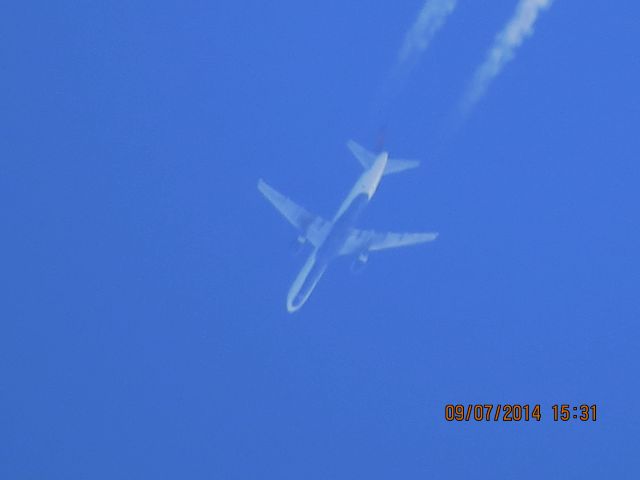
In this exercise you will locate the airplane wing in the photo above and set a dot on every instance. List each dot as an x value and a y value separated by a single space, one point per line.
368 240
313 227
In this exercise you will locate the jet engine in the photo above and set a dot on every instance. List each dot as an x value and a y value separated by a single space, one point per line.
359 262
298 245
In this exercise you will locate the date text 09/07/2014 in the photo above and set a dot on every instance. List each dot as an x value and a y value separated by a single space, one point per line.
514 412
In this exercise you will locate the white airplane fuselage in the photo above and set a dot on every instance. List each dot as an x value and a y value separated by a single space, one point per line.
337 234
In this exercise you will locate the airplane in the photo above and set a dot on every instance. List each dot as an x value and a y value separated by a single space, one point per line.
338 236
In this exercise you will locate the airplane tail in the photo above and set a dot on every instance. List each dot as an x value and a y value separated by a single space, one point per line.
366 159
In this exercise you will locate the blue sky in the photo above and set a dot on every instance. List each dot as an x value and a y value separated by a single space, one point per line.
144 332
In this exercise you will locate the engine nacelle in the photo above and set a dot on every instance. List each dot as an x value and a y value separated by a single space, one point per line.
298 245
359 262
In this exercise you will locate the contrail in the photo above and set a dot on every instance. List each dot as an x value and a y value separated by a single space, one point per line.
417 39
507 41
429 21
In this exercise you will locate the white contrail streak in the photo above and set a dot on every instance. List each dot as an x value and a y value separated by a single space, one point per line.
507 41
429 21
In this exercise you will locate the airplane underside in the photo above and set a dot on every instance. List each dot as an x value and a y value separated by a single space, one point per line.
337 237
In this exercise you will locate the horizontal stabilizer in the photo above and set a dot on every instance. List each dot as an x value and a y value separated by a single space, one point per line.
395 165
367 158
364 156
